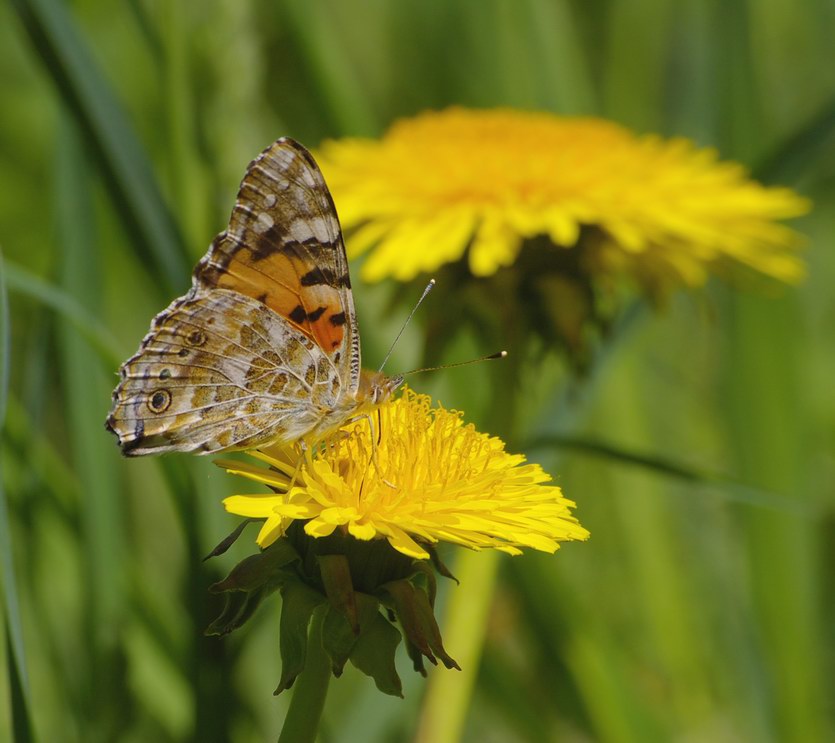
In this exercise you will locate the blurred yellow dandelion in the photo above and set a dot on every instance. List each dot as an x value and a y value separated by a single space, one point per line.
435 479
466 183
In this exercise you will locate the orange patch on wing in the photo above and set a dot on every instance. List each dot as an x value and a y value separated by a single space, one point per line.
329 327
316 310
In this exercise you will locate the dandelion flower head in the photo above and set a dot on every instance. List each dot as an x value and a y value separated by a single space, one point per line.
476 184
435 479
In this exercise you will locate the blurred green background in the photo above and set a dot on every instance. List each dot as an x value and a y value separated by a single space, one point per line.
700 453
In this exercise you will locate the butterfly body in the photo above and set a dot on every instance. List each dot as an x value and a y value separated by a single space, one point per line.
264 348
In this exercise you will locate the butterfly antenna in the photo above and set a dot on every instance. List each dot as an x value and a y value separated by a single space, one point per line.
497 355
426 291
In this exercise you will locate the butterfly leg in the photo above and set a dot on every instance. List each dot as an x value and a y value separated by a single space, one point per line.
375 440
299 463
376 437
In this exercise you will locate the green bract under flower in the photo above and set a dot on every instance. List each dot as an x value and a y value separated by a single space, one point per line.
428 478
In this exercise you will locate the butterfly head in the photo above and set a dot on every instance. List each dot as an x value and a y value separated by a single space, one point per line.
376 387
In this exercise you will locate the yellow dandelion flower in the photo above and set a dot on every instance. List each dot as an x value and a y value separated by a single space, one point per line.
428 478
478 184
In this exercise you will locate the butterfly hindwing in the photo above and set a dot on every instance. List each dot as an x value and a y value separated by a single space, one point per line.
219 372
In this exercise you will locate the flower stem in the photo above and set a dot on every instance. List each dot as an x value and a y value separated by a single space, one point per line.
302 722
448 695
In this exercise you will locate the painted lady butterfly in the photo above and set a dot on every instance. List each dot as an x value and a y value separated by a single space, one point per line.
264 348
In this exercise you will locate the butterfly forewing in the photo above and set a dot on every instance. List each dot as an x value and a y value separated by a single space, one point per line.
284 248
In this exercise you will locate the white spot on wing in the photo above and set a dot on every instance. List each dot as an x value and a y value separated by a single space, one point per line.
263 223
312 227
273 174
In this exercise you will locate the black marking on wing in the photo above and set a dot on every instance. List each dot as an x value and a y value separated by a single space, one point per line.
276 239
298 315
316 314
326 276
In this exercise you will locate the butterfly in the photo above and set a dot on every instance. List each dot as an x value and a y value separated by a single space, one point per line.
264 348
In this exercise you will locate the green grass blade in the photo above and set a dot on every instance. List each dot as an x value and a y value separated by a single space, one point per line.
82 86
87 388
562 67
662 584
338 83
740 124
68 308
5 341
13 630
732 489
32 449
565 633
793 158
570 403
633 88
526 52
21 726
188 182
445 705
769 438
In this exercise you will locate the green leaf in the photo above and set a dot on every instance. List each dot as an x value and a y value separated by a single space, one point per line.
298 604
424 578
416 656
256 571
225 543
439 565
238 608
373 653
338 639
336 578
249 583
418 620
